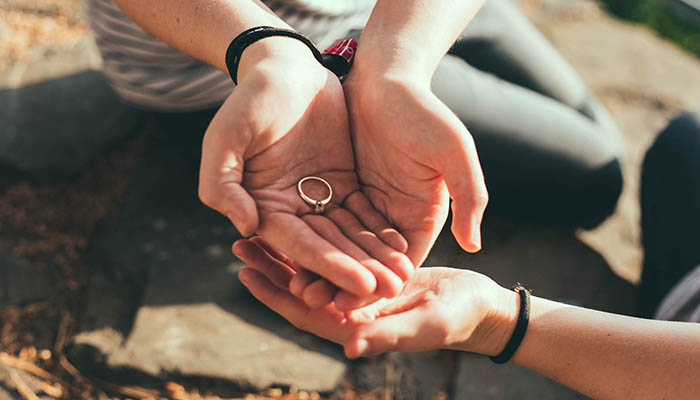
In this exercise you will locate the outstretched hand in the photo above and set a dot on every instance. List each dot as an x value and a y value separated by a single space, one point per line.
412 155
438 308
270 133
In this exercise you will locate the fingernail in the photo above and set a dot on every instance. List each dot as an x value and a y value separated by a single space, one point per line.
243 276
476 235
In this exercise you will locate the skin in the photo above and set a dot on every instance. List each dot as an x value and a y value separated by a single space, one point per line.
410 151
602 355
272 132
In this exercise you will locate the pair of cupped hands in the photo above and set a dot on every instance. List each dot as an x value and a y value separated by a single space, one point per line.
393 153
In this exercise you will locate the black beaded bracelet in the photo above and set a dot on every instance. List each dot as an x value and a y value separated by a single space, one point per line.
520 327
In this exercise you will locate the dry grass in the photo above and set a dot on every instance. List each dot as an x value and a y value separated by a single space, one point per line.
23 29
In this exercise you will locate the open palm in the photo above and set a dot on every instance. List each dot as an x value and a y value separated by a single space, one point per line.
411 150
289 129
429 313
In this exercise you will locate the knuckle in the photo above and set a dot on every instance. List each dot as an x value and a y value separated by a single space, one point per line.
300 324
205 195
480 198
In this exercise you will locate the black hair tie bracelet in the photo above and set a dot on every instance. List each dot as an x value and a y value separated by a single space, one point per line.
520 327
337 58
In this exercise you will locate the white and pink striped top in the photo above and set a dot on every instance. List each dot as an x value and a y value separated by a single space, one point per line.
150 74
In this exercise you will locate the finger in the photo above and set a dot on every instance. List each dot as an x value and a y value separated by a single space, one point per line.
346 301
221 169
358 205
326 323
319 293
276 298
221 173
388 283
231 200
273 252
369 242
406 331
465 182
256 257
295 238
301 280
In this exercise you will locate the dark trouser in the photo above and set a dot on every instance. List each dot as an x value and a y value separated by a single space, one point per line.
670 210
183 130
549 150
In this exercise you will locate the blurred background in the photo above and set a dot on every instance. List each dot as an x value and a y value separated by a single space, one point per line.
74 326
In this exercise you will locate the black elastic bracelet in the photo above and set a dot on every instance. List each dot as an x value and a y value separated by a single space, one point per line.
520 327
252 35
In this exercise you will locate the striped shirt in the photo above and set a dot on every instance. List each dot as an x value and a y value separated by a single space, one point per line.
148 73
682 303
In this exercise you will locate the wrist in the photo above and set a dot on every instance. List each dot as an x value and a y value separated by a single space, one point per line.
372 68
496 327
277 55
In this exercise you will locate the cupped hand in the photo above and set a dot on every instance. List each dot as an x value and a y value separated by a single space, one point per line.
413 154
438 308
287 120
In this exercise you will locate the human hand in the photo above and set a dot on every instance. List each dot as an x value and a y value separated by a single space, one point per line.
412 154
287 120
410 151
438 308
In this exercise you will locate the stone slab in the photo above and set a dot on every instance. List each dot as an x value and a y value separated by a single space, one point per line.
167 302
51 129
405 376
480 379
21 283
551 261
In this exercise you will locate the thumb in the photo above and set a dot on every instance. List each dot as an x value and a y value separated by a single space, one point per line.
220 189
234 202
406 331
465 182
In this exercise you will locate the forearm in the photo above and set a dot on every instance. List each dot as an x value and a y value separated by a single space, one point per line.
201 28
607 356
408 38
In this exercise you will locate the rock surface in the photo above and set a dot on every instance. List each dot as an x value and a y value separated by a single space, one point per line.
407 376
53 128
165 303
550 261
479 378
21 283
168 302
57 110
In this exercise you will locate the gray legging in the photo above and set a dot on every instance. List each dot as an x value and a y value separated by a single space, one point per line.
549 151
